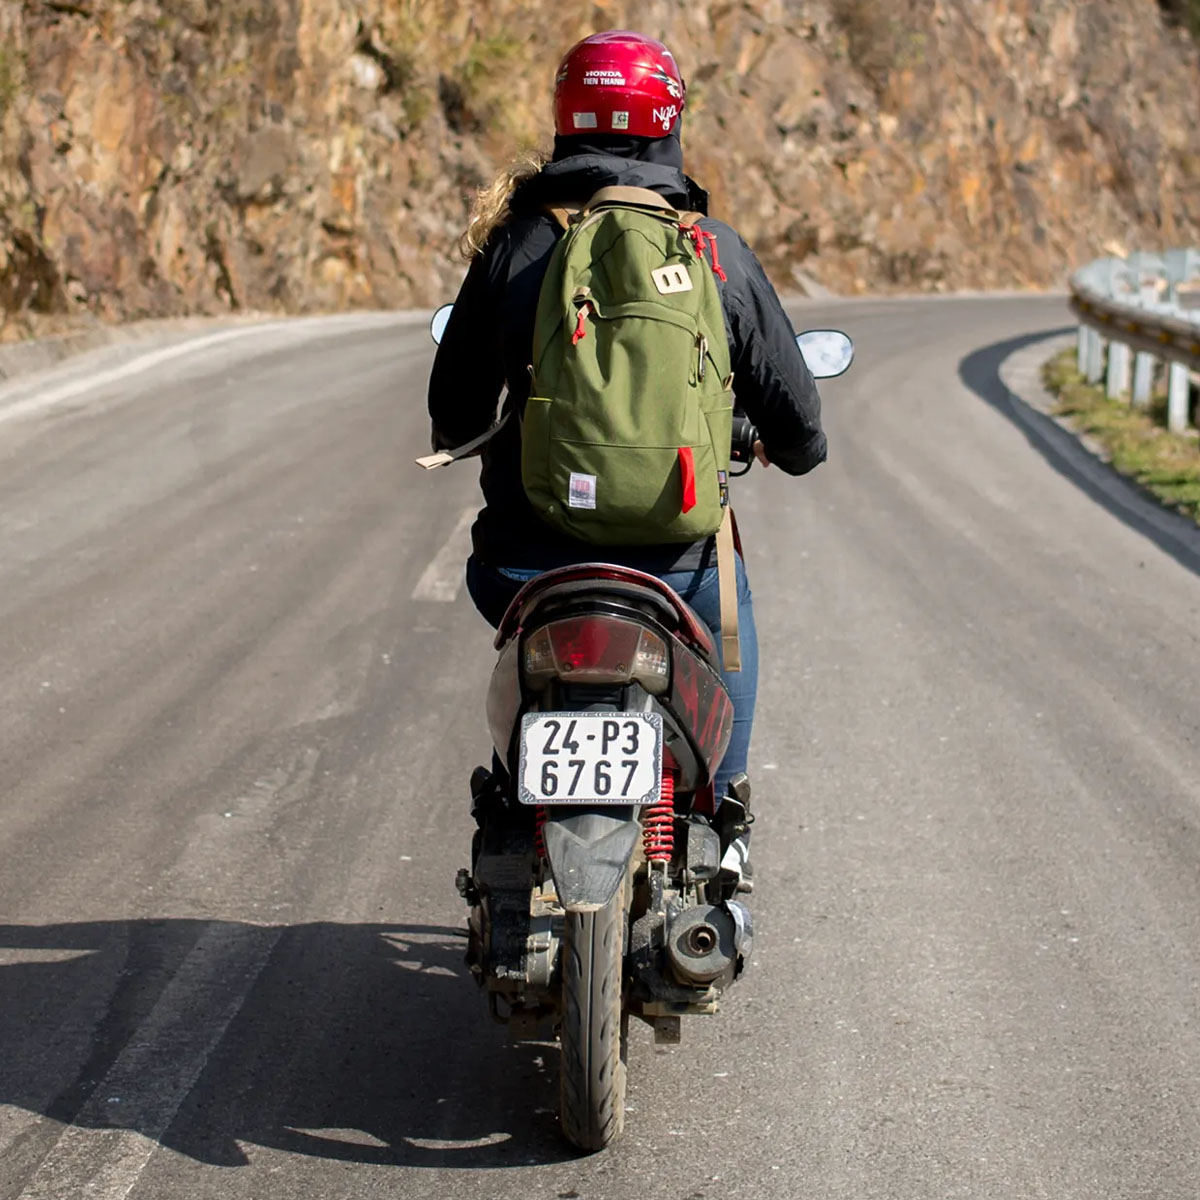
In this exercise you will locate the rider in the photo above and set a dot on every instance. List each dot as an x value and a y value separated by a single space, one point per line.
615 81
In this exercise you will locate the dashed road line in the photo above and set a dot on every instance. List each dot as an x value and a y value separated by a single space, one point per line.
103 1152
443 578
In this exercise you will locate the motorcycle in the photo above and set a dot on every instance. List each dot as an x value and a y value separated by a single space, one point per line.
597 891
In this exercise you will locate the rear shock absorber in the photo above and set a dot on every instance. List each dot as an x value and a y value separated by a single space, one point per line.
658 823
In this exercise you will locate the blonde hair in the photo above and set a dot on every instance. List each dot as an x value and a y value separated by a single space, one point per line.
492 205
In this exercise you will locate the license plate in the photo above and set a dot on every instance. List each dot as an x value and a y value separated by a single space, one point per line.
591 758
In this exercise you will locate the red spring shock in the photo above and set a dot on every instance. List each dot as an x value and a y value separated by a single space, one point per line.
658 823
539 840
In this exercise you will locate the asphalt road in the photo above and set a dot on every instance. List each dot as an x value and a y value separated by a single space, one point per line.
241 693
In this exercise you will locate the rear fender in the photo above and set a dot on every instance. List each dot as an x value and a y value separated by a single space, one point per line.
589 853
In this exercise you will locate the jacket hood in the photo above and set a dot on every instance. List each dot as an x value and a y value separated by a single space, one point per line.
575 178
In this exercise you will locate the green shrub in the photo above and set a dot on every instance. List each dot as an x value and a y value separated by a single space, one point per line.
1183 12
883 38
476 97
12 75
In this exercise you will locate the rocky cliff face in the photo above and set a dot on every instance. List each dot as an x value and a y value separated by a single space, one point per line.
160 157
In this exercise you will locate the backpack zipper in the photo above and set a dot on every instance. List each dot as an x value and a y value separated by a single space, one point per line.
700 239
581 325
580 298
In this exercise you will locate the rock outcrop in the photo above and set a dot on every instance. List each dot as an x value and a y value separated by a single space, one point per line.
162 157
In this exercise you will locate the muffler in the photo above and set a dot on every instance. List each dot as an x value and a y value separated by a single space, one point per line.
702 946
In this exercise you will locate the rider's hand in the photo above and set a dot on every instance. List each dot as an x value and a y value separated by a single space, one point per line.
761 454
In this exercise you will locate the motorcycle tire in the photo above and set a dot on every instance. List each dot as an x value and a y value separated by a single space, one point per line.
593 1029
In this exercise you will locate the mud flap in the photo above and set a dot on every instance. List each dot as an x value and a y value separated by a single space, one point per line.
589 853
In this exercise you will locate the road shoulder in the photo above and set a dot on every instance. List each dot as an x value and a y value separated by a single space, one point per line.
1033 406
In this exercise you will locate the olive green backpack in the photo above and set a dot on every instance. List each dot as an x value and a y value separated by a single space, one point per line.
625 439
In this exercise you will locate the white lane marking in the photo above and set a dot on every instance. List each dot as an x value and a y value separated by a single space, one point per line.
112 1138
443 577
313 327
25 956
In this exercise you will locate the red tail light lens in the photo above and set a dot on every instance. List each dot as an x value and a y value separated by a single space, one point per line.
597 649
585 645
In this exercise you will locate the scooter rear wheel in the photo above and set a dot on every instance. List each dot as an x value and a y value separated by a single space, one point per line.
592 1076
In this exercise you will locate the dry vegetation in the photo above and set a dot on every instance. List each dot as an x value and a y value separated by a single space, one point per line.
1136 442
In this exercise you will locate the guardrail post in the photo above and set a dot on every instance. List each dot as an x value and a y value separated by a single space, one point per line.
1117 383
1120 303
1095 364
1143 379
1177 398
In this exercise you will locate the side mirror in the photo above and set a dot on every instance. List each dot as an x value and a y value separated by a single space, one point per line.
441 318
828 352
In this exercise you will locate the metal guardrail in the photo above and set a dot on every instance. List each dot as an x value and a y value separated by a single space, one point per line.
1137 313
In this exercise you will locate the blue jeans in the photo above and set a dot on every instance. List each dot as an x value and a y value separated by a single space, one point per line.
493 588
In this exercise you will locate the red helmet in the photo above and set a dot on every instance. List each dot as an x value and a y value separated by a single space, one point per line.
618 82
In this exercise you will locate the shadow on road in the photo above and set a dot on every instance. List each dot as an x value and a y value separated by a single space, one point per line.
1139 510
363 1043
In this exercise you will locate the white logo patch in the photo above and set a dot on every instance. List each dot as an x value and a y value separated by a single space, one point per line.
620 120
582 492
585 120
666 116
672 279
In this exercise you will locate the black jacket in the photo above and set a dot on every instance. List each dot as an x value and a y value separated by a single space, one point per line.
488 343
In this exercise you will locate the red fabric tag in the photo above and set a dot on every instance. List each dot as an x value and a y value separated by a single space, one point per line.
687 470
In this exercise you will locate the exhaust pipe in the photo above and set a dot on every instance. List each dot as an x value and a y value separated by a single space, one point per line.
701 946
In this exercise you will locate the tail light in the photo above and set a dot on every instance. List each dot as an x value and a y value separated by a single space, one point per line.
597 649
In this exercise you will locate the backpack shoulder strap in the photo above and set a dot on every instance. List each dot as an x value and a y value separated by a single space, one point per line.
562 213
636 196
731 646
444 458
